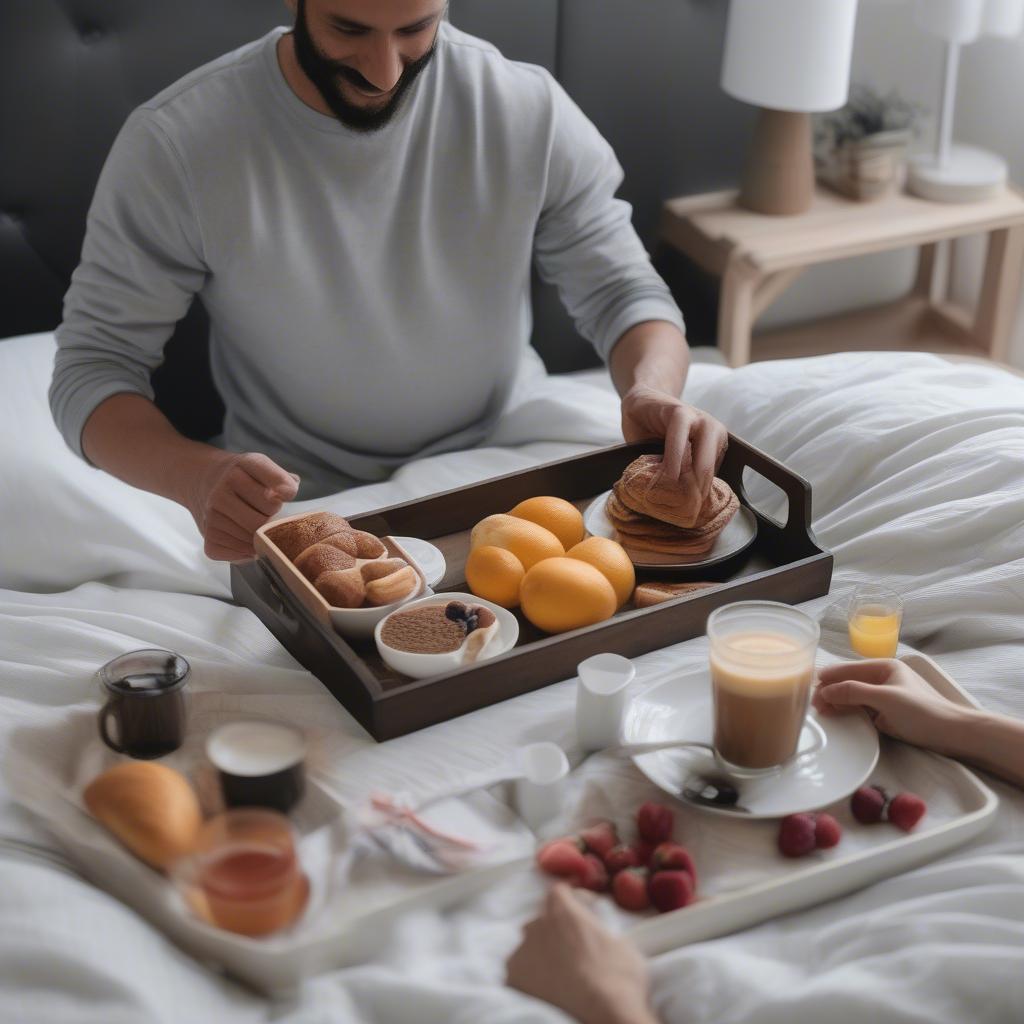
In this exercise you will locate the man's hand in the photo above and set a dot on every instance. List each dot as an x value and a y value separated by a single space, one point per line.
568 959
694 441
233 496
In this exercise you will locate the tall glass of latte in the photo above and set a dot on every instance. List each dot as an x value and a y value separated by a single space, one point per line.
762 664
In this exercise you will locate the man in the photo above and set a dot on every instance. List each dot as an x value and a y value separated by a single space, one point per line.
357 202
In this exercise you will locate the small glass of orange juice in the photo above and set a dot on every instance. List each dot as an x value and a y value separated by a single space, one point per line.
874 618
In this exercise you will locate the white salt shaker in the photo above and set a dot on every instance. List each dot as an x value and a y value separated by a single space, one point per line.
601 697
540 789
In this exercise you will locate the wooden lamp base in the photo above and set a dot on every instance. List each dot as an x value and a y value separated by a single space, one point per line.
778 178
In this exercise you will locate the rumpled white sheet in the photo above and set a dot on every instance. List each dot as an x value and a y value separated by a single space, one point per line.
917 474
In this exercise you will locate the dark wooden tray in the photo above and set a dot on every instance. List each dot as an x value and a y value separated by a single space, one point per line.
785 563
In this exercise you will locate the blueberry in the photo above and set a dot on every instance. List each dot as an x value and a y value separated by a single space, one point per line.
456 611
472 621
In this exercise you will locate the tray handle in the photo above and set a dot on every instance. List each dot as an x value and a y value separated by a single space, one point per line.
278 606
796 529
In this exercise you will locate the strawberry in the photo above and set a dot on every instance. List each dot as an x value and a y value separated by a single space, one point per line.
621 857
670 890
673 857
827 832
644 851
906 810
796 835
868 804
654 822
594 875
562 858
600 838
629 888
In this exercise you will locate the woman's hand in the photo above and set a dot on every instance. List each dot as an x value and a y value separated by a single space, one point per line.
898 700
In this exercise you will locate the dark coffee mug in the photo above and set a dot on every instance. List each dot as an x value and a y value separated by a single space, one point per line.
145 712
260 764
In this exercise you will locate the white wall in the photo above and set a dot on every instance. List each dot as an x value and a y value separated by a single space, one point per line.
891 52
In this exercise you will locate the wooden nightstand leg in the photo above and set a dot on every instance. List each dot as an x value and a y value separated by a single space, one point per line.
924 281
736 314
1000 291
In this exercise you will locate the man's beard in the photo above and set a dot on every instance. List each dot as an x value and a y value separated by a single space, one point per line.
324 74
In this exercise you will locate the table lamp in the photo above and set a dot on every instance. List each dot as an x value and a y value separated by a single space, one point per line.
956 173
790 58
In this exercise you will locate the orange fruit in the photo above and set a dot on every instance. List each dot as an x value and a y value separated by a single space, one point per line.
526 540
611 560
565 593
559 516
495 574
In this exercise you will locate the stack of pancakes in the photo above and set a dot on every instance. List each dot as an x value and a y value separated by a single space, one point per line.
650 514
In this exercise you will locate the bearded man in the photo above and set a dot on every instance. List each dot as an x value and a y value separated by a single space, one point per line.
358 202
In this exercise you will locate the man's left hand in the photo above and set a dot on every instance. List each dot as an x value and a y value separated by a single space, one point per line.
695 442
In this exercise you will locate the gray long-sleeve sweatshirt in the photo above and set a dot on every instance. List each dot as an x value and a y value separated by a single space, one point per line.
369 294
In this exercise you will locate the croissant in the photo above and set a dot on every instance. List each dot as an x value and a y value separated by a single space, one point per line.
151 809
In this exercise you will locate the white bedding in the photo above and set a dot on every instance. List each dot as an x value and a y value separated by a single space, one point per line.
918 474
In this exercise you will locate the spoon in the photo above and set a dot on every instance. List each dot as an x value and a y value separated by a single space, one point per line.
718 791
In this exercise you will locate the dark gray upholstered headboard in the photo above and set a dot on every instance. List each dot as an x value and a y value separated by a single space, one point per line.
71 71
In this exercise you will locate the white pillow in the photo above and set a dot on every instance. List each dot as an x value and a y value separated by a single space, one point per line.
65 523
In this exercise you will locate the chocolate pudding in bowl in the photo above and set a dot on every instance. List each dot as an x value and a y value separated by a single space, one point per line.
444 632
762 666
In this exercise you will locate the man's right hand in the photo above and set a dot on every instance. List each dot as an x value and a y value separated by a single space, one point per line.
233 496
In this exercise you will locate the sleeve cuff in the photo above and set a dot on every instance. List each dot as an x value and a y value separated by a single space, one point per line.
85 399
628 314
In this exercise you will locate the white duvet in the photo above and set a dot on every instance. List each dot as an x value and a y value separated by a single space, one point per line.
917 467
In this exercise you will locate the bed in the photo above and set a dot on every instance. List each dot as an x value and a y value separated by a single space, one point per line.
916 466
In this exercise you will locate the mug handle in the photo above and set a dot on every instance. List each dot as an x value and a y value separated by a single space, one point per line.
105 712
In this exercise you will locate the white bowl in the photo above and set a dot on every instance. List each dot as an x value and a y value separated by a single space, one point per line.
420 666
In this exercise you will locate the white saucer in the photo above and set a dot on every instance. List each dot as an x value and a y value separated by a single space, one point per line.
738 535
427 556
681 708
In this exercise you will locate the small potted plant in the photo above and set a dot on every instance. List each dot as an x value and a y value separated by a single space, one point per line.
860 149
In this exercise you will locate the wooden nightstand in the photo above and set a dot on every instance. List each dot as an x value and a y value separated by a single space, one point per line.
757 257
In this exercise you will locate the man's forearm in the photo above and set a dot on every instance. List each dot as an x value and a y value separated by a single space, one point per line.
652 354
128 437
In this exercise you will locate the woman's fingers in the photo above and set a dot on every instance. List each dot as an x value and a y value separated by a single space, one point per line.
873 672
848 693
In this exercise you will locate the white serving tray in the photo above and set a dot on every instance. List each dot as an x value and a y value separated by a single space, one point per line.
810 882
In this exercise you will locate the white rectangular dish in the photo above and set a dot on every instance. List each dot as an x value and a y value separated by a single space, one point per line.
971 807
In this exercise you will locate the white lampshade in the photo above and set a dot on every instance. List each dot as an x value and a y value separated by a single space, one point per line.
789 54
958 21
1003 17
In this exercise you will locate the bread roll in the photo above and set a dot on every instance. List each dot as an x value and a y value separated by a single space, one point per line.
151 809
324 557
294 537
396 586
342 588
368 546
